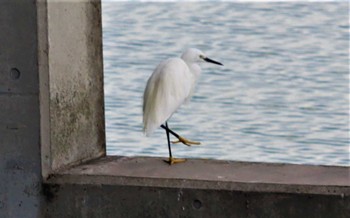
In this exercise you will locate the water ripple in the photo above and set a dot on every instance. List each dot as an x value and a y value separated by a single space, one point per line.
282 95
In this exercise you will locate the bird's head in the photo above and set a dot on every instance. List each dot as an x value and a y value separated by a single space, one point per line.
193 55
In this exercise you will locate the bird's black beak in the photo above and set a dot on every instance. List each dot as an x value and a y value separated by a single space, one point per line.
212 61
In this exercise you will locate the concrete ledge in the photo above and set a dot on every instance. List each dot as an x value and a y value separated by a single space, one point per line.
148 187
210 174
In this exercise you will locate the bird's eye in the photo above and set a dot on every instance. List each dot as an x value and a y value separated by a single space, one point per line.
201 57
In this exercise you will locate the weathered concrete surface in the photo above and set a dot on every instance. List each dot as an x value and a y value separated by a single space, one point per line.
148 187
20 168
211 174
51 96
75 82
69 200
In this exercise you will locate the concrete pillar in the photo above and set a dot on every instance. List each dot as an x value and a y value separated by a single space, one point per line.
72 66
20 165
51 96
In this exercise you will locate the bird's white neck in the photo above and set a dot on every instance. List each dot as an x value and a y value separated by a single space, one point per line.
195 70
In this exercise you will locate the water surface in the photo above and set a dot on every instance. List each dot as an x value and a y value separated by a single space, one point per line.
282 96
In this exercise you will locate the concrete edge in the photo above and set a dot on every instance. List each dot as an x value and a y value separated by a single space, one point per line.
108 171
44 86
197 184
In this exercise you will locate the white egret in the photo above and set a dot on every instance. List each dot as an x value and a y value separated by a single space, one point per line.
171 85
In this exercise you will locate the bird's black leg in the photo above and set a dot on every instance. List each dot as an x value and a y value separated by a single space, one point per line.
168 137
169 130
171 159
180 138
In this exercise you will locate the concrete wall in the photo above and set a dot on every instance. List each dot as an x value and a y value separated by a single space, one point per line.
75 83
51 96
148 187
140 201
20 166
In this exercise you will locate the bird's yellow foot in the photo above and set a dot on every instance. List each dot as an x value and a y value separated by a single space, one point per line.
186 141
172 161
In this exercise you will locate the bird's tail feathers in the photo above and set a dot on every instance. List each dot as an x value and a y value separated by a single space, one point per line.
148 130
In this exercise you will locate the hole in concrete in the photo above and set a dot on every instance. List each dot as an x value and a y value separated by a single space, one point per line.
197 204
15 74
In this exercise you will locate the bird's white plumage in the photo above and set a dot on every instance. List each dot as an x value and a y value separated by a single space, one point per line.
167 89
171 85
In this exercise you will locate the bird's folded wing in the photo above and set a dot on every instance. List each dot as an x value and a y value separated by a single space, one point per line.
166 91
